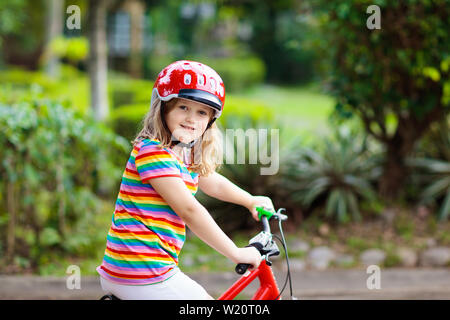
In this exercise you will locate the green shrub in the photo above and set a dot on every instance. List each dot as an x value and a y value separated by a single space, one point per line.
60 164
73 49
71 87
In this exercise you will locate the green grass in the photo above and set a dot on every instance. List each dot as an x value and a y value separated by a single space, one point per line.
304 108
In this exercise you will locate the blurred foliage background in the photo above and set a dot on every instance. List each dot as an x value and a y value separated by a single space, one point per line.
363 115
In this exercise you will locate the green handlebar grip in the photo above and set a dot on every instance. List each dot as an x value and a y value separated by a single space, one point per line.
263 212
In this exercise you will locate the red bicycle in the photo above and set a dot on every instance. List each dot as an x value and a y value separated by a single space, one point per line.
268 289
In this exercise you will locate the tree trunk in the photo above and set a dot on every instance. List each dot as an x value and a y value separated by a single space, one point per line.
98 58
410 129
136 10
54 29
394 173
398 148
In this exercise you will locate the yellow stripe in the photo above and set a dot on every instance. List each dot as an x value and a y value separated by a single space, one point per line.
154 158
130 175
130 235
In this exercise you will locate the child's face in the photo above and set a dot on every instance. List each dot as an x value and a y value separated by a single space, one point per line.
187 119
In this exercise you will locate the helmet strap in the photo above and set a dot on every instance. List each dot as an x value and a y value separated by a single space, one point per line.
210 123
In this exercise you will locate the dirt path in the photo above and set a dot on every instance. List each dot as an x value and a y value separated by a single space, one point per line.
308 284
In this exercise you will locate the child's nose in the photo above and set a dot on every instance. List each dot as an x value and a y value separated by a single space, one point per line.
190 116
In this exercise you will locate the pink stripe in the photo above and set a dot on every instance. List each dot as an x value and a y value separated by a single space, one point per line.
136 271
148 214
139 249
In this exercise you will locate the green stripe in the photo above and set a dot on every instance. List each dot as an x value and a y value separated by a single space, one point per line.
149 243
134 263
158 165
145 205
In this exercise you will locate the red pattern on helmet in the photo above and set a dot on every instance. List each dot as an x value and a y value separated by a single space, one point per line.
185 74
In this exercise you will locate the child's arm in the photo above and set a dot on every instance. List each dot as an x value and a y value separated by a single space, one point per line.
217 186
197 218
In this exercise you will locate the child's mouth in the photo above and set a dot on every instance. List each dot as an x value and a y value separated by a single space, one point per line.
187 128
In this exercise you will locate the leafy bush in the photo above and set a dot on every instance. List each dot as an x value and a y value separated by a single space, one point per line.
73 86
75 94
73 49
56 166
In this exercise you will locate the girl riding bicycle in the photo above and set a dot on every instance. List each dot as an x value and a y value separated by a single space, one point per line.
177 151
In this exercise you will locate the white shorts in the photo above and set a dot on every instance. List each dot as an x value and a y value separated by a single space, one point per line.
177 287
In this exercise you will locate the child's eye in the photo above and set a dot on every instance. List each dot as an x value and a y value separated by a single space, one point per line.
183 107
203 113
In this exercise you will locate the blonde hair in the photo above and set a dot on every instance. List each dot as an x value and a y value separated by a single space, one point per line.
206 153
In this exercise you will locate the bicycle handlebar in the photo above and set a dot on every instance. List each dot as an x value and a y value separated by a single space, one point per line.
264 216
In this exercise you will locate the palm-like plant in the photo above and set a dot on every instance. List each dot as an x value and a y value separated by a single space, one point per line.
341 170
431 167
435 174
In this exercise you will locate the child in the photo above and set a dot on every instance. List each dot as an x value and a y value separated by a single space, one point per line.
177 151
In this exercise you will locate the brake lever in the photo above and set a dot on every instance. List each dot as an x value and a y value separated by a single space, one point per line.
279 215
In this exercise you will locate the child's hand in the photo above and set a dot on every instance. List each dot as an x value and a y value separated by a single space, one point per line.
260 201
249 255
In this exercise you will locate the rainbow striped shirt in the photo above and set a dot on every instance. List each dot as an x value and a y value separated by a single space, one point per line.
146 235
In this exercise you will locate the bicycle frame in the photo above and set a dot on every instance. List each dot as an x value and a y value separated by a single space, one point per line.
268 289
